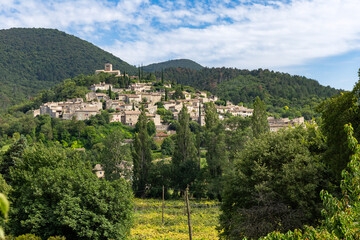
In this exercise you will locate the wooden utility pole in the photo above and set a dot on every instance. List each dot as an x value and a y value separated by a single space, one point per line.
188 211
163 205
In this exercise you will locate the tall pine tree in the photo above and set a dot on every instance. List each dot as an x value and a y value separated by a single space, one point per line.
141 155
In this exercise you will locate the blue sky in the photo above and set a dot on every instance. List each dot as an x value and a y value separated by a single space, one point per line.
319 39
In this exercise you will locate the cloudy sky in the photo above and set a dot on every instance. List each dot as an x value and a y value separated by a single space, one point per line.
319 39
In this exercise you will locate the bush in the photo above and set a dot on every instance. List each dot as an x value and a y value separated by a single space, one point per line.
57 238
28 236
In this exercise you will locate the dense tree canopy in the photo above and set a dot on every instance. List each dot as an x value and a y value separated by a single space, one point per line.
341 214
275 184
56 193
336 112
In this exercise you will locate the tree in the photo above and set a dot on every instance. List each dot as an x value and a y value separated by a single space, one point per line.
12 156
259 121
238 133
178 94
110 93
116 157
167 146
162 77
166 94
335 113
56 193
141 155
341 214
216 155
275 184
185 155
4 208
151 128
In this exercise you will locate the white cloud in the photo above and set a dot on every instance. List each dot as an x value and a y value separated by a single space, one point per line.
257 36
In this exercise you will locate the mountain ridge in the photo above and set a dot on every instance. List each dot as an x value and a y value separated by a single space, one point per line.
182 63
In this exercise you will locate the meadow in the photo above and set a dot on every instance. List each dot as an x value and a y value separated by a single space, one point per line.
148 219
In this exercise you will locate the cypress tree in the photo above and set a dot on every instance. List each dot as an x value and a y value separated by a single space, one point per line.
139 74
199 120
216 155
185 154
166 94
141 155
259 122
110 92
162 76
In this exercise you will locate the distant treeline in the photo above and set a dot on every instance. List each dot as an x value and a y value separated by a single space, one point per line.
285 95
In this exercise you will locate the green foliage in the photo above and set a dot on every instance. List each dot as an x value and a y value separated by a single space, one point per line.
185 154
151 128
12 156
56 238
4 208
56 193
167 146
216 156
274 184
341 214
259 123
277 89
116 157
237 134
178 94
160 175
34 59
28 236
165 115
336 112
70 133
142 157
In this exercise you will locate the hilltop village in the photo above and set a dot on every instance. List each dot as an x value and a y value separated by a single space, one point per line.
124 104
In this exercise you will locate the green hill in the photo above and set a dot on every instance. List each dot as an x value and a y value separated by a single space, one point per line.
286 95
178 63
35 59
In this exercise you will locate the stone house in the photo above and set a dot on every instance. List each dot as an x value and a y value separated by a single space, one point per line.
101 86
133 98
86 113
156 118
131 117
102 96
276 124
116 116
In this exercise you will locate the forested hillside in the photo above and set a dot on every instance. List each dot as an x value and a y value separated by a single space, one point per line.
35 59
182 63
285 95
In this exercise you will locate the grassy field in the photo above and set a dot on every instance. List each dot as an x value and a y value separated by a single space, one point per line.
148 225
